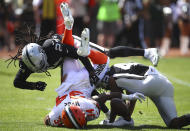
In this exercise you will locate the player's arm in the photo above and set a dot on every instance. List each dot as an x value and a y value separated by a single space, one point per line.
22 75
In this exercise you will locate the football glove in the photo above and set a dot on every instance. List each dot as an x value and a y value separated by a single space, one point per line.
40 85
135 96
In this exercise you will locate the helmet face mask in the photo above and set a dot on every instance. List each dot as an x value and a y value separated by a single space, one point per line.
73 117
34 58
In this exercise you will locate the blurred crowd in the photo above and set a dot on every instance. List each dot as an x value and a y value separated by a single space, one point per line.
136 23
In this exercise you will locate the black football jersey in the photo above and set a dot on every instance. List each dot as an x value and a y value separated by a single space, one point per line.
56 52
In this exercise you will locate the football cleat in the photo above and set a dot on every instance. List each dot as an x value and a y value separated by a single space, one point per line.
84 49
73 117
153 55
105 122
67 15
122 122
118 123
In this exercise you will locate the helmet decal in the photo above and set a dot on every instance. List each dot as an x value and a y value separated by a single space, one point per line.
71 117
29 56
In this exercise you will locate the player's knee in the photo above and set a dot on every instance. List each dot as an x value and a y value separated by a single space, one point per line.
120 108
47 120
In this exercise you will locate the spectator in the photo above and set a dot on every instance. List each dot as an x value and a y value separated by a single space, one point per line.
92 11
184 25
133 31
171 26
108 16
60 27
2 23
45 16
10 27
79 12
153 22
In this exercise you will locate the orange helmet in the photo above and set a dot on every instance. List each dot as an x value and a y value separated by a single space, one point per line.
73 117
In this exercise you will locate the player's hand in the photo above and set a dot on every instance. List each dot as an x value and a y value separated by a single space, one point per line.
40 85
136 96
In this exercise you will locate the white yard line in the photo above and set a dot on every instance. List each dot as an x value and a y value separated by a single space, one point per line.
178 81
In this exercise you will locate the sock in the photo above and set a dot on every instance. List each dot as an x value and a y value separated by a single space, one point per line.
68 38
97 57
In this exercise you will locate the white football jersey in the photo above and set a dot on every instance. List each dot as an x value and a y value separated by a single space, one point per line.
75 90
88 106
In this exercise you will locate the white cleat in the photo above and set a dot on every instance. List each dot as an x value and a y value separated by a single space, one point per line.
153 55
68 18
104 122
118 123
84 49
121 122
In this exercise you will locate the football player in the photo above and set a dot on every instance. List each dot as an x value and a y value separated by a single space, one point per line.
75 91
51 54
135 77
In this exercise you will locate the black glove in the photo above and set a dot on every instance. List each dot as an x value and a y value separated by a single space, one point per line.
94 78
40 85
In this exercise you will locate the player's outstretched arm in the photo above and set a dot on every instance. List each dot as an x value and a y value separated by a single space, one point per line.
23 84
20 80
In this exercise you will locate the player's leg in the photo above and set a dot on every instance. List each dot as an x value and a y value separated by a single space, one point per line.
124 51
68 38
120 108
68 21
96 56
149 85
166 108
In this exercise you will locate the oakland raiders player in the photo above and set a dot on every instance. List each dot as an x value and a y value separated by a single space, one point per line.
135 77
51 54
36 58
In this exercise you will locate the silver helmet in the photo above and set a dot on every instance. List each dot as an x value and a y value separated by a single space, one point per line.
34 57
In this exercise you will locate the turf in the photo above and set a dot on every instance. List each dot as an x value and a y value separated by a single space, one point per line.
24 110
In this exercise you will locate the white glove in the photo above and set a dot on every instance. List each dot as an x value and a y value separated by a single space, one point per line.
135 96
68 18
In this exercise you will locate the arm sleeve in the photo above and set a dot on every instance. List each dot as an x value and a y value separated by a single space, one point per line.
20 79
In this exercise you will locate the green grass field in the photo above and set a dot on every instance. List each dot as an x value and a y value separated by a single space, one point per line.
24 110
